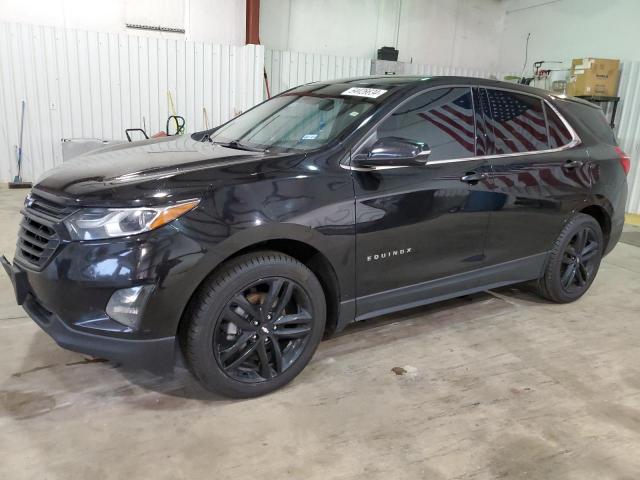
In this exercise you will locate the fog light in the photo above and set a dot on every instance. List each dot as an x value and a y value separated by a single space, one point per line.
125 306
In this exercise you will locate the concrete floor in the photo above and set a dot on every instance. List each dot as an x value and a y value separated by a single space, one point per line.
498 385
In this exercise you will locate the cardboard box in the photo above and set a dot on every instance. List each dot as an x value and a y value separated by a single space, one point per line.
593 77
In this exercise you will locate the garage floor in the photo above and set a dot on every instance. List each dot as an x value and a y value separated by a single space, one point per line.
498 385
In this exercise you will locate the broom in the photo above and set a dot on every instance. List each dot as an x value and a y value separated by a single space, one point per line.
17 181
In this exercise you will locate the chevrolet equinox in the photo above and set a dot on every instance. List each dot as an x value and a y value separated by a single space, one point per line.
238 248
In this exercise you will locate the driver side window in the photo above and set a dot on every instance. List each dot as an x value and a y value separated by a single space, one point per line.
441 118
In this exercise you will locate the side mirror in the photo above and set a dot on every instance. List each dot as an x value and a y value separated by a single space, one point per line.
393 152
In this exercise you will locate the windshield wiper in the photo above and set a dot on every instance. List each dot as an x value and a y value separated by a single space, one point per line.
239 146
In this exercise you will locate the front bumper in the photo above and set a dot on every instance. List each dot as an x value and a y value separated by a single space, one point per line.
68 297
153 354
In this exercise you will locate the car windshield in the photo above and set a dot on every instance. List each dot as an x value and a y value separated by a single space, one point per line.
296 121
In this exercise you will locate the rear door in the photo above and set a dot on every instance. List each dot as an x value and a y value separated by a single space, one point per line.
538 175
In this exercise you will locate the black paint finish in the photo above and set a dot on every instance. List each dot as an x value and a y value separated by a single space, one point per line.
472 217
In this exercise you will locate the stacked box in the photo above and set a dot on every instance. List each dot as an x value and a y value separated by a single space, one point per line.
593 77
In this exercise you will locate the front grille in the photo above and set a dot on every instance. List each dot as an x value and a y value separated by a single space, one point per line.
49 209
36 241
38 238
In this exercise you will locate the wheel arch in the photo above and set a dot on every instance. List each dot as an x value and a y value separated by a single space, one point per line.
603 217
313 259
305 251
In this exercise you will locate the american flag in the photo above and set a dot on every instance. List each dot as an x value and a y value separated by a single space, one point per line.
511 123
517 125
558 133
453 114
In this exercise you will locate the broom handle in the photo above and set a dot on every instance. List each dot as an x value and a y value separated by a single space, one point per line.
20 144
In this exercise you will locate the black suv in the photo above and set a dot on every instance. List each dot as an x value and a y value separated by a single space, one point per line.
241 246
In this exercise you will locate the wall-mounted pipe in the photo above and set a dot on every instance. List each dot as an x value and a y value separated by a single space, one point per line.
253 22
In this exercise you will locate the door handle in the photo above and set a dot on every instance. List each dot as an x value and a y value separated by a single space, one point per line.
571 164
473 177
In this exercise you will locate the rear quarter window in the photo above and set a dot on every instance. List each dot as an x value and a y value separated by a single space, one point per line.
593 119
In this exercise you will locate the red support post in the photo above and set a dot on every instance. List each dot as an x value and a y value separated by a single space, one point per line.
253 22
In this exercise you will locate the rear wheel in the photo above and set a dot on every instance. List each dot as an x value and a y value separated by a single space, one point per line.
254 326
574 261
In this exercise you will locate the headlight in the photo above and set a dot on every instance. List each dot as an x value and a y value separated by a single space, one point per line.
100 223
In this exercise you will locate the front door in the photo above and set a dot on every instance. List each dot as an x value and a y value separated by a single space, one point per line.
419 224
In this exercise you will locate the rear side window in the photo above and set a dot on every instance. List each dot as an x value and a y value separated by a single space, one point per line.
559 135
593 119
518 122
598 124
441 118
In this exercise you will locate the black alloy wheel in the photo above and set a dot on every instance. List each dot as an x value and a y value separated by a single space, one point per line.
263 329
580 260
254 325
574 260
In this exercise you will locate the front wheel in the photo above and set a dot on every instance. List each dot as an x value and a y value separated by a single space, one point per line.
255 325
574 260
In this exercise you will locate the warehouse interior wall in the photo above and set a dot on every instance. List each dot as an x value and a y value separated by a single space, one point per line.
440 32
78 84
216 21
481 34
467 37
565 29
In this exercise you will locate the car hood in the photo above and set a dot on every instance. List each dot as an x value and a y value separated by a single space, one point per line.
145 171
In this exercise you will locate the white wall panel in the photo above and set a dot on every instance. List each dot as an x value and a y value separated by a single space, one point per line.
628 128
215 21
567 29
286 70
434 70
447 32
80 84
289 69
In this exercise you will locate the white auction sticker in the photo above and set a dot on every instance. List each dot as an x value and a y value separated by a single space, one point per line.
364 92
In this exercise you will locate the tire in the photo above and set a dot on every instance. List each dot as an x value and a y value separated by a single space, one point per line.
574 260
254 325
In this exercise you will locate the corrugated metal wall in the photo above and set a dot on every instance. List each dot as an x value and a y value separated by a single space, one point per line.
289 69
433 70
286 70
94 85
628 128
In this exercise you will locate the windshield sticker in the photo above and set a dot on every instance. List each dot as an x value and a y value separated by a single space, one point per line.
364 92
310 136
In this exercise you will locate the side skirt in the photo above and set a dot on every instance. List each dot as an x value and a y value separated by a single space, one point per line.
494 276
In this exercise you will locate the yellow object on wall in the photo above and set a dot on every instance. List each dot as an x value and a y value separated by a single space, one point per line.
632 219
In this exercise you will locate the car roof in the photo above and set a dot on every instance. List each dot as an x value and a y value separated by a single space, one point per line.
409 82
418 80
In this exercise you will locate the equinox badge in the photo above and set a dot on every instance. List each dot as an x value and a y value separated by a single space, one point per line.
389 254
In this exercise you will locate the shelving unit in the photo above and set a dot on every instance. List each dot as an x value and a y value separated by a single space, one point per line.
599 100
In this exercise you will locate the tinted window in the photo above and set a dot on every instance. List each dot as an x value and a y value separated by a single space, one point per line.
298 121
593 119
518 122
442 118
484 131
558 133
